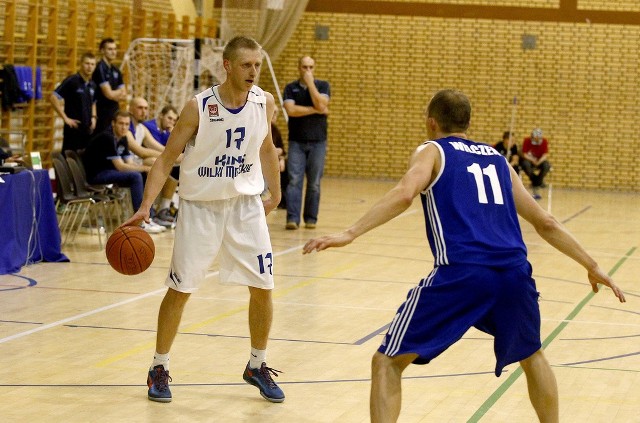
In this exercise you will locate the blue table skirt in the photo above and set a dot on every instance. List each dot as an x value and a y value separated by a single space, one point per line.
29 230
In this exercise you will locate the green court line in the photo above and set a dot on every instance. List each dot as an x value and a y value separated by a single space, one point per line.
495 396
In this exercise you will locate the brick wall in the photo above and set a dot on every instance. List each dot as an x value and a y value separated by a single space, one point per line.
580 85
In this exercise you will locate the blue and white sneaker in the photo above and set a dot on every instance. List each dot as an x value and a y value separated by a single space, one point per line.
261 378
158 383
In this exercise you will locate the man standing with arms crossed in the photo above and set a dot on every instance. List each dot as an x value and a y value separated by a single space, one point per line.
471 198
111 88
221 211
306 101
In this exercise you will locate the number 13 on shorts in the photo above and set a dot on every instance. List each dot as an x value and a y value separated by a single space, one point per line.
265 261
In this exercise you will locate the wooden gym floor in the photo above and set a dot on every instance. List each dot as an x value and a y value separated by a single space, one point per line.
76 338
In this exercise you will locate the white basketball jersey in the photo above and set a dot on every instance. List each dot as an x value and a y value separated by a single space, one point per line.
138 136
224 160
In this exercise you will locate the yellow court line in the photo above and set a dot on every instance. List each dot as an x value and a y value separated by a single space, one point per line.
194 326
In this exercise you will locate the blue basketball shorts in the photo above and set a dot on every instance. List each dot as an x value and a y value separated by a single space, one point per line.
453 298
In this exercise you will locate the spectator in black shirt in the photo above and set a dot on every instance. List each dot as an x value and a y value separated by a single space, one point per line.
306 101
111 86
509 148
75 101
108 161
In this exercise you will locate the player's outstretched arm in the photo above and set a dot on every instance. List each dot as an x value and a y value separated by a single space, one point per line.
394 202
559 237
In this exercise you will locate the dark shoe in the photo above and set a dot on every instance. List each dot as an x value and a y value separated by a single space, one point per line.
261 378
158 383
165 214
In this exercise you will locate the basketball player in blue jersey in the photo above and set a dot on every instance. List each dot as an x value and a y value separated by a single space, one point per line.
471 198
225 133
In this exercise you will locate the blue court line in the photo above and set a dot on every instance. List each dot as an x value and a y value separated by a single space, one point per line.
607 369
213 335
600 338
299 382
372 335
603 359
21 322
618 309
576 214
32 282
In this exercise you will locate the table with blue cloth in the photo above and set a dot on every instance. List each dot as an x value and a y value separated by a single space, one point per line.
29 230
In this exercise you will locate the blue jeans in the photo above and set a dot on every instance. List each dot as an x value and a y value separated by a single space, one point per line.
304 158
133 180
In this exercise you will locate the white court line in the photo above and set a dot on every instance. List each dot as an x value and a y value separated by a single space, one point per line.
109 307
130 300
78 316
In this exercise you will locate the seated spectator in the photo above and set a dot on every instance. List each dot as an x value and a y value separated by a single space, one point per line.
535 150
161 127
508 148
107 160
6 155
148 147
142 145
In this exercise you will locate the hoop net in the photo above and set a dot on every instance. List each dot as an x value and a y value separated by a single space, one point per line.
167 71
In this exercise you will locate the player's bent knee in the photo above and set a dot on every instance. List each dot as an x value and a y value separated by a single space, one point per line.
380 361
528 362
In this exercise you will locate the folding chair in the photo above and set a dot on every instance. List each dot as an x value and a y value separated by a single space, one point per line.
76 208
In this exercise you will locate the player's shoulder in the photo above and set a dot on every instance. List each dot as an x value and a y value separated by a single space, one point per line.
270 98
258 95
426 148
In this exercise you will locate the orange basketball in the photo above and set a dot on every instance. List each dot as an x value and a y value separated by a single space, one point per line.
130 250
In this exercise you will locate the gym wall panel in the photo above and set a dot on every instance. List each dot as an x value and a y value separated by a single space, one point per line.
580 84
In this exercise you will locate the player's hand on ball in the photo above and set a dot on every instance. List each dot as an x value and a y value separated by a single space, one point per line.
137 218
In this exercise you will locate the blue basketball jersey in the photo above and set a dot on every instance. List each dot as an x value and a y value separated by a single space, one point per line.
469 210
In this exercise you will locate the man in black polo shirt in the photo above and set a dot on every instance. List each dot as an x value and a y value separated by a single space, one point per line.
111 88
74 100
306 101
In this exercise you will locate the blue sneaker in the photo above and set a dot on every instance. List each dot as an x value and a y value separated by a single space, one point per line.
158 383
537 196
261 378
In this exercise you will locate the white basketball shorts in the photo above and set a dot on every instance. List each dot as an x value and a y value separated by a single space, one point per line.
235 230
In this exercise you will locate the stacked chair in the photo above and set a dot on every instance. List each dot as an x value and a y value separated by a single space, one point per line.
100 207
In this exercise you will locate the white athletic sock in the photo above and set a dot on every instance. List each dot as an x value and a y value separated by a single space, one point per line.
161 359
165 203
257 358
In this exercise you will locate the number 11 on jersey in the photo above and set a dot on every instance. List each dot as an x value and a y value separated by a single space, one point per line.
489 171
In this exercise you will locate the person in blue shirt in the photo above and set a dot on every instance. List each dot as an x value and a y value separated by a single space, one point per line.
160 127
471 200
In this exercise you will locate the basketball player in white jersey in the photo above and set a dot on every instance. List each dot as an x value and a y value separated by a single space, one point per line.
481 275
225 132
